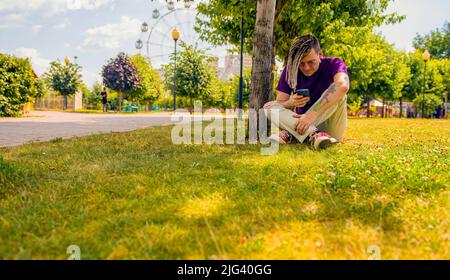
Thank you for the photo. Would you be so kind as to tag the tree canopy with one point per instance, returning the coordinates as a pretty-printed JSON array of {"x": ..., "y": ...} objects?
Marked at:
[
  {"x": 219, "y": 20},
  {"x": 191, "y": 76},
  {"x": 120, "y": 74},
  {"x": 64, "y": 78},
  {"x": 437, "y": 42},
  {"x": 150, "y": 86},
  {"x": 17, "y": 84}
]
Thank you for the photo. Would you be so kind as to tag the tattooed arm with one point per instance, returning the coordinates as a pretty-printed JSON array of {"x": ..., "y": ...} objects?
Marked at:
[{"x": 331, "y": 96}]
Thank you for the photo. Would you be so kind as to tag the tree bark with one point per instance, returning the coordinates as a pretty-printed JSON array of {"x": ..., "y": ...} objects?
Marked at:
[
  {"x": 445, "y": 106},
  {"x": 368, "y": 104},
  {"x": 65, "y": 102},
  {"x": 401, "y": 108},
  {"x": 261, "y": 83}
]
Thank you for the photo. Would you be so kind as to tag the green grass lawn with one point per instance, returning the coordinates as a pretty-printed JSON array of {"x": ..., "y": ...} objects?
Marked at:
[{"x": 134, "y": 195}]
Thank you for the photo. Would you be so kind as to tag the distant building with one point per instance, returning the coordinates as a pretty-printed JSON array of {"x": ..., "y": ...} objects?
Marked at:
[{"x": 232, "y": 65}]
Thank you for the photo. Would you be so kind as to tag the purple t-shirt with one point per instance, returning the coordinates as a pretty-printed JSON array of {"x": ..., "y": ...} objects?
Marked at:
[{"x": 317, "y": 83}]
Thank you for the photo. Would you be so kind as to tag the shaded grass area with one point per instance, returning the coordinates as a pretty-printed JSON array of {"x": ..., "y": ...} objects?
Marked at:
[{"x": 135, "y": 195}]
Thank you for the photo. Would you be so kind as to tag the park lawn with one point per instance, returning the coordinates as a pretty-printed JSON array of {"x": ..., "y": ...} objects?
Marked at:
[{"x": 134, "y": 195}]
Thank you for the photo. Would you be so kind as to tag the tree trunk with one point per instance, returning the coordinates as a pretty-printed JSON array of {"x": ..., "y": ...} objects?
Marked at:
[
  {"x": 120, "y": 99},
  {"x": 368, "y": 104},
  {"x": 382, "y": 110},
  {"x": 445, "y": 106},
  {"x": 262, "y": 83},
  {"x": 65, "y": 102},
  {"x": 401, "y": 108}
]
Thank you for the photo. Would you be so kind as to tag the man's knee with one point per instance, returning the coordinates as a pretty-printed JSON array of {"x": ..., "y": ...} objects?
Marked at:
[
  {"x": 272, "y": 104},
  {"x": 270, "y": 108}
]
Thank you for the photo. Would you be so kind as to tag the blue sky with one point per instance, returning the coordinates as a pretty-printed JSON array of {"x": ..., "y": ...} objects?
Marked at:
[{"x": 96, "y": 30}]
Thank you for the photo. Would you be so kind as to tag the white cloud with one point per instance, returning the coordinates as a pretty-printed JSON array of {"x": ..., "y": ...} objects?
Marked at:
[
  {"x": 12, "y": 20},
  {"x": 40, "y": 64},
  {"x": 36, "y": 28},
  {"x": 417, "y": 20},
  {"x": 89, "y": 78},
  {"x": 112, "y": 35},
  {"x": 50, "y": 6},
  {"x": 65, "y": 23}
]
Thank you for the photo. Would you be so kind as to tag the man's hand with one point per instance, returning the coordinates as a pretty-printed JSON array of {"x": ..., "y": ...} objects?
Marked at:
[
  {"x": 298, "y": 100},
  {"x": 304, "y": 122}
]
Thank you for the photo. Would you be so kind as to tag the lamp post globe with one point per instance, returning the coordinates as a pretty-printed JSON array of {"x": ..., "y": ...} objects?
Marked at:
[
  {"x": 426, "y": 55},
  {"x": 175, "y": 34}
]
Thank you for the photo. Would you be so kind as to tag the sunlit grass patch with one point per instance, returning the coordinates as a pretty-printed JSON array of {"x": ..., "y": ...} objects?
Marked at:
[{"x": 136, "y": 195}]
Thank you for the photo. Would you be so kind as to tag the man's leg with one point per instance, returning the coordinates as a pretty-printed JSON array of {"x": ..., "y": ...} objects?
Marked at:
[
  {"x": 336, "y": 124},
  {"x": 288, "y": 121}
]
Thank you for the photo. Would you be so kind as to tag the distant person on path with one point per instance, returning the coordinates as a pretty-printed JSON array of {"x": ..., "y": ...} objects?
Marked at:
[
  {"x": 104, "y": 100},
  {"x": 311, "y": 96}
]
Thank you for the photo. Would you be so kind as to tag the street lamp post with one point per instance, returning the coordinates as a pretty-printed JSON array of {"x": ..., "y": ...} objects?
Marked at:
[
  {"x": 175, "y": 36},
  {"x": 241, "y": 78},
  {"x": 426, "y": 57}
]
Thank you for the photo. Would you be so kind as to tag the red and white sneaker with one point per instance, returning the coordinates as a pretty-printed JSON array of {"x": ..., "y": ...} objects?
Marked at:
[
  {"x": 321, "y": 140},
  {"x": 283, "y": 137}
]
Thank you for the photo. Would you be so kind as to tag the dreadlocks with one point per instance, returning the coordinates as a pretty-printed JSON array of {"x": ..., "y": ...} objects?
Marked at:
[{"x": 301, "y": 48}]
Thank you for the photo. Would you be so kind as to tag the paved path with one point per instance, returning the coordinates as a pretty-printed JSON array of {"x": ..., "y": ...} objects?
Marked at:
[{"x": 45, "y": 125}]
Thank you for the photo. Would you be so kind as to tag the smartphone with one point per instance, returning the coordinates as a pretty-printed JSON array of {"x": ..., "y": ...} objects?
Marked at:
[
  {"x": 302, "y": 92},
  {"x": 305, "y": 93}
]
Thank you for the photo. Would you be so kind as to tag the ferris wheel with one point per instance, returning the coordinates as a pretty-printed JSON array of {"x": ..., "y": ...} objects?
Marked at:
[{"x": 156, "y": 33}]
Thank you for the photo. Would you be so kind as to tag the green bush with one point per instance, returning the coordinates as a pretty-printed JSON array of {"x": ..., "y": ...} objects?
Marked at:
[{"x": 17, "y": 85}]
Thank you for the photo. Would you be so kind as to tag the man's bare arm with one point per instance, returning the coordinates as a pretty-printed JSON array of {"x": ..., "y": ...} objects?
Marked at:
[
  {"x": 291, "y": 101},
  {"x": 332, "y": 95},
  {"x": 284, "y": 99}
]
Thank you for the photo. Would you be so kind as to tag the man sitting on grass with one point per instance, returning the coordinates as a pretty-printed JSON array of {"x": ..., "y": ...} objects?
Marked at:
[{"x": 320, "y": 119}]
